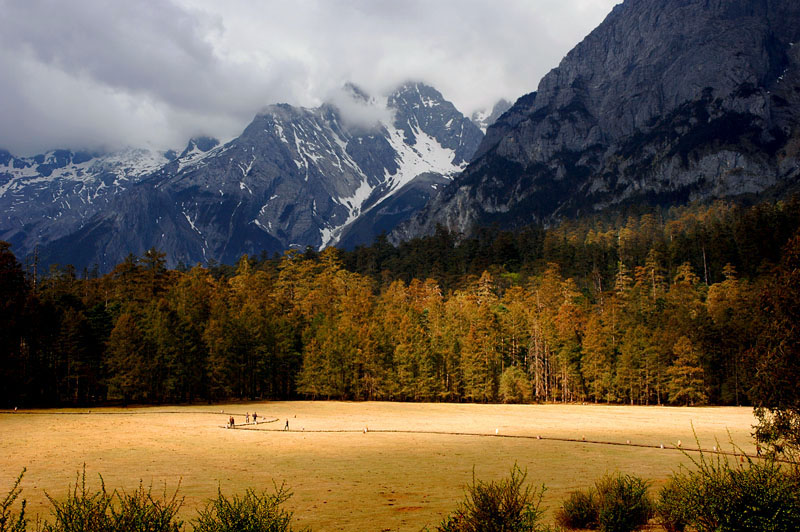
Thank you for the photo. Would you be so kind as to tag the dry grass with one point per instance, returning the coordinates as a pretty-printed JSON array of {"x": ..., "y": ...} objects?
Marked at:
[{"x": 351, "y": 480}]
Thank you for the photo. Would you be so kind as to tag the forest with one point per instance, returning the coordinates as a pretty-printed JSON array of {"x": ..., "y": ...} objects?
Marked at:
[{"x": 683, "y": 306}]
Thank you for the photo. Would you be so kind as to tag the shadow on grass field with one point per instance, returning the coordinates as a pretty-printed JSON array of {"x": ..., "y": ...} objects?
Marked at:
[{"x": 353, "y": 480}]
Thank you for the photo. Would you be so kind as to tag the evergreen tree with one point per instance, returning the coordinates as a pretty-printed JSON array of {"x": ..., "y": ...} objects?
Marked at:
[{"x": 686, "y": 375}]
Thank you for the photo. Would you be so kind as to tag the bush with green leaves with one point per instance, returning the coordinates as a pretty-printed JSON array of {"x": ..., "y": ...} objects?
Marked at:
[
  {"x": 139, "y": 511},
  {"x": 623, "y": 504},
  {"x": 11, "y": 521},
  {"x": 252, "y": 512},
  {"x": 721, "y": 496},
  {"x": 616, "y": 503},
  {"x": 670, "y": 506},
  {"x": 505, "y": 505},
  {"x": 84, "y": 510},
  {"x": 579, "y": 510}
]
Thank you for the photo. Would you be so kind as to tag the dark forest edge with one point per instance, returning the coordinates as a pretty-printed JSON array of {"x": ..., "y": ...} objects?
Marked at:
[{"x": 691, "y": 305}]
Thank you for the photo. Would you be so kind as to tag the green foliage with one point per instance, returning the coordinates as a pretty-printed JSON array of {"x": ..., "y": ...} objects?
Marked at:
[
  {"x": 616, "y": 503},
  {"x": 623, "y": 504},
  {"x": 507, "y": 505},
  {"x": 686, "y": 375},
  {"x": 81, "y": 510},
  {"x": 757, "y": 496},
  {"x": 670, "y": 506},
  {"x": 253, "y": 512},
  {"x": 515, "y": 387},
  {"x": 84, "y": 510},
  {"x": 579, "y": 511},
  {"x": 141, "y": 512},
  {"x": 9, "y": 520}
]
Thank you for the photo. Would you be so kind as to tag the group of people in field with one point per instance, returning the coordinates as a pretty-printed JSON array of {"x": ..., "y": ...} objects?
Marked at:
[{"x": 232, "y": 422}]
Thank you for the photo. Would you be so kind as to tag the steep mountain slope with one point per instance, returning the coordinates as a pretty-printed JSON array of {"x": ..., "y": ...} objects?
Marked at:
[
  {"x": 48, "y": 195},
  {"x": 666, "y": 101},
  {"x": 294, "y": 178}
]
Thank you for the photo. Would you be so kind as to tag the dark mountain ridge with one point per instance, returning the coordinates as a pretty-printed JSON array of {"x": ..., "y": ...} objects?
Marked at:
[{"x": 665, "y": 102}]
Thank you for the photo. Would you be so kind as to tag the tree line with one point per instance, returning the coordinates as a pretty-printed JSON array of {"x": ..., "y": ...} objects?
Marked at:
[{"x": 694, "y": 305}]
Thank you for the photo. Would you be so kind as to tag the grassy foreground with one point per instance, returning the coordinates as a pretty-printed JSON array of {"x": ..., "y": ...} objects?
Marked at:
[{"x": 351, "y": 480}]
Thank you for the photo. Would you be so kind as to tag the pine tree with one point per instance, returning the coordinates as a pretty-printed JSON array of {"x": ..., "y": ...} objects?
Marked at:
[
  {"x": 686, "y": 375},
  {"x": 127, "y": 362}
]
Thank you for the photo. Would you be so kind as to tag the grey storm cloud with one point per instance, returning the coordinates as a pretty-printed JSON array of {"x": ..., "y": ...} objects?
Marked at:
[{"x": 99, "y": 74}]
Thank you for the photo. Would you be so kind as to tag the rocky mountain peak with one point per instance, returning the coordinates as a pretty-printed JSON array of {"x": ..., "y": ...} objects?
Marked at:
[
  {"x": 198, "y": 145},
  {"x": 666, "y": 101},
  {"x": 485, "y": 118},
  {"x": 295, "y": 177},
  {"x": 421, "y": 108}
]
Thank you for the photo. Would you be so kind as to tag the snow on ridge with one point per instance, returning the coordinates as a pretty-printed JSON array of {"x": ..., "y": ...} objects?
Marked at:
[
  {"x": 125, "y": 165},
  {"x": 196, "y": 156},
  {"x": 354, "y": 204},
  {"x": 135, "y": 162},
  {"x": 426, "y": 156},
  {"x": 328, "y": 237},
  {"x": 279, "y": 130}
]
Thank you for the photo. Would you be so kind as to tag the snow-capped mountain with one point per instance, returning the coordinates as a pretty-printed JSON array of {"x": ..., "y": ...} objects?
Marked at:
[
  {"x": 295, "y": 177},
  {"x": 485, "y": 118},
  {"x": 48, "y": 195}
]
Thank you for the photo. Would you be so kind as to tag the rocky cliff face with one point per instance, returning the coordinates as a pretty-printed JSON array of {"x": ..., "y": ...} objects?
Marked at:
[
  {"x": 666, "y": 101},
  {"x": 294, "y": 178}
]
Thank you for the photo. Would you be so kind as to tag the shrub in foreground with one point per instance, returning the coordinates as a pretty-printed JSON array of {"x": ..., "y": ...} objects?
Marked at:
[
  {"x": 623, "y": 503},
  {"x": 503, "y": 506},
  {"x": 579, "y": 510},
  {"x": 253, "y": 512},
  {"x": 11, "y": 521},
  {"x": 670, "y": 506},
  {"x": 616, "y": 503},
  {"x": 84, "y": 510},
  {"x": 141, "y": 512},
  {"x": 757, "y": 496}
]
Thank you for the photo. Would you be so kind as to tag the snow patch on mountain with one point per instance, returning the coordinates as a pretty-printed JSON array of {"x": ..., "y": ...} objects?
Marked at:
[
  {"x": 427, "y": 155},
  {"x": 76, "y": 167}
]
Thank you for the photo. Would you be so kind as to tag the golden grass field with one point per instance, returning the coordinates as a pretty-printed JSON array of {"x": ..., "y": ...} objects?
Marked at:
[{"x": 352, "y": 480}]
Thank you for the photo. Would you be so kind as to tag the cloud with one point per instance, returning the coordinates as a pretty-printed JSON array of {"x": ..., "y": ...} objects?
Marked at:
[
  {"x": 91, "y": 73},
  {"x": 357, "y": 109}
]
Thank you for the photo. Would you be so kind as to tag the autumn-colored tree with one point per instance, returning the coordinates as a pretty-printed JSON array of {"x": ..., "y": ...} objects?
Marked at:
[
  {"x": 732, "y": 308},
  {"x": 597, "y": 364},
  {"x": 635, "y": 375},
  {"x": 686, "y": 384},
  {"x": 480, "y": 359},
  {"x": 514, "y": 386}
]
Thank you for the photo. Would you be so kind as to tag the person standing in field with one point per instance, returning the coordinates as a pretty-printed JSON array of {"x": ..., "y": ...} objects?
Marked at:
[
  {"x": 247, "y": 417},
  {"x": 287, "y": 425},
  {"x": 255, "y": 417}
]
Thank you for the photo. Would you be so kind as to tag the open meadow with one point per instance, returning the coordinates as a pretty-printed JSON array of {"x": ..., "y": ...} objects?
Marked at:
[{"x": 344, "y": 478}]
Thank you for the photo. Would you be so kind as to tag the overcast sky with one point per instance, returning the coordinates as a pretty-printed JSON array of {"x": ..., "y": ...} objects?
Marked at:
[{"x": 104, "y": 73}]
